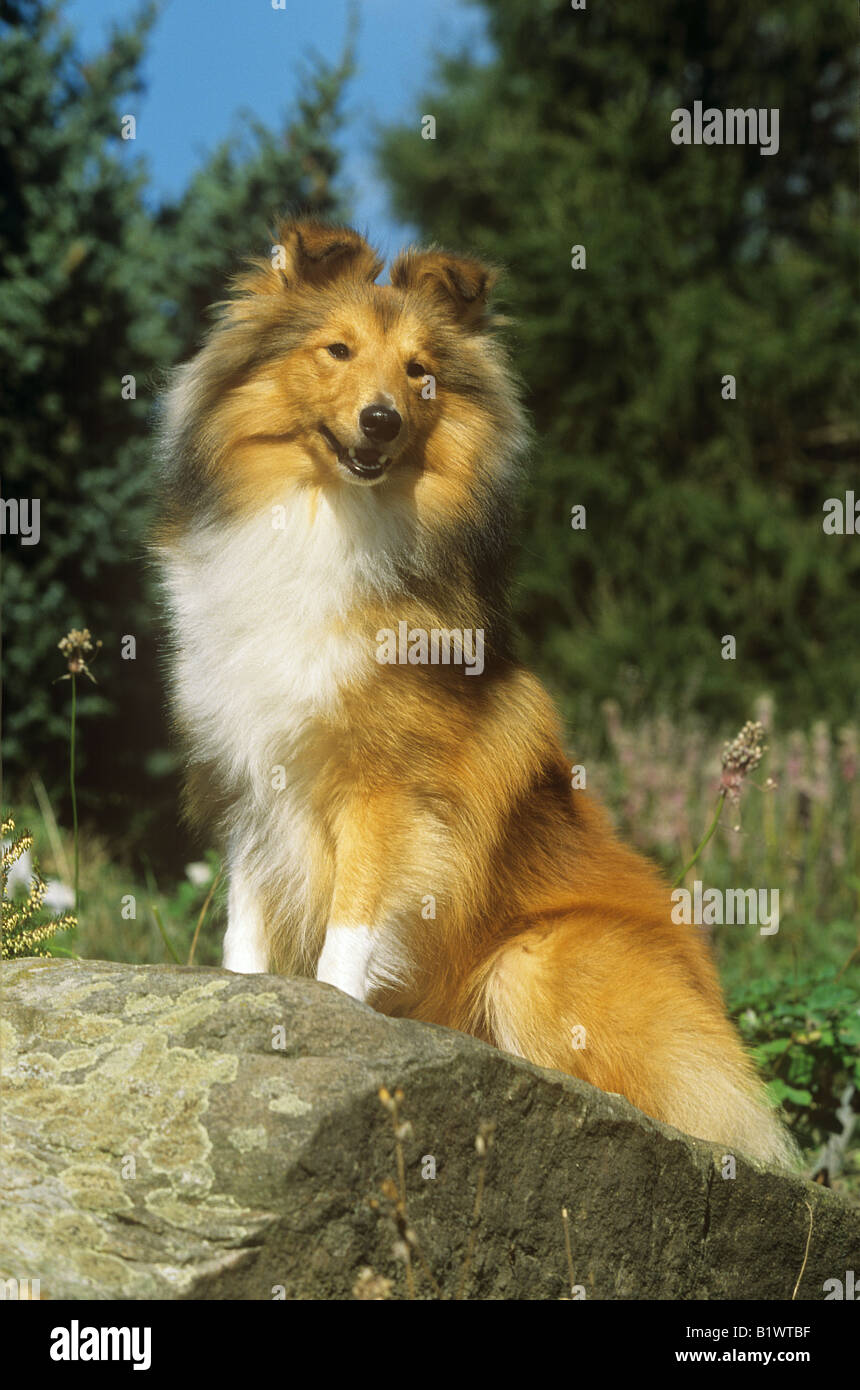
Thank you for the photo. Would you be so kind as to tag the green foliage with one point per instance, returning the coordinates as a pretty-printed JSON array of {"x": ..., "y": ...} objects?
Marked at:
[
  {"x": 95, "y": 286},
  {"x": 23, "y": 930},
  {"x": 131, "y": 910},
  {"x": 76, "y": 312},
  {"x": 806, "y": 1040},
  {"x": 704, "y": 515},
  {"x": 177, "y": 911}
]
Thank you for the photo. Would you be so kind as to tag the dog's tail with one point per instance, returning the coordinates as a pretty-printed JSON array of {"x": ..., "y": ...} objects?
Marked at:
[{"x": 633, "y": 1015}]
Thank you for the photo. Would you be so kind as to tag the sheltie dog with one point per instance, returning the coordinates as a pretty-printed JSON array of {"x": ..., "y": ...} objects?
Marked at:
[{"x": 341, "y": 461}]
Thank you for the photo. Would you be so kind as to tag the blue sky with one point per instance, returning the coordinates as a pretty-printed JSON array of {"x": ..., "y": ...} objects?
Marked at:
[{"x": 210, "y": 59}]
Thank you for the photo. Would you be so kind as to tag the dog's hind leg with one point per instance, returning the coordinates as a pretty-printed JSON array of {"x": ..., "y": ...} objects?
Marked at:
[
  {"x": 245, "y": 946},
  {"x": 345, "y": 958}
]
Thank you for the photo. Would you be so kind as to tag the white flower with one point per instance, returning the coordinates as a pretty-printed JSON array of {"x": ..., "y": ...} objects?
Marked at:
[{"x": 59, "y": 897}]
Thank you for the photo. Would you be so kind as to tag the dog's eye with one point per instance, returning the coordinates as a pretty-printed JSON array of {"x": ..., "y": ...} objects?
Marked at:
[
  {"x": 415, "y": 368},
  {"x": 339, "y": 350}
]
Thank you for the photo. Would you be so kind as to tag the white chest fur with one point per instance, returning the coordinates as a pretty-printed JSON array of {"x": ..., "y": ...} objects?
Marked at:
[{"x": 264, "y": 618}]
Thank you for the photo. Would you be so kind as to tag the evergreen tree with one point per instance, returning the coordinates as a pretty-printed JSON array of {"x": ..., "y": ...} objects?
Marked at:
[{"x": 704, "y": 514}]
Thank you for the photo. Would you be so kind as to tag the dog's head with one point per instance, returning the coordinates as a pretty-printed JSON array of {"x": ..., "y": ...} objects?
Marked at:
[{"x": 316, "y": 374}]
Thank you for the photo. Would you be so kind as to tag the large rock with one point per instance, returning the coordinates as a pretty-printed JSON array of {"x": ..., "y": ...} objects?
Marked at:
[{"x": 188, "y": 1133}]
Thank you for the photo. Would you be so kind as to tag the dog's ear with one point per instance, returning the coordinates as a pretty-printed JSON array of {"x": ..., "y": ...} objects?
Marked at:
[
  {"x": 458, "y": 283},
  {"x": 315, "y": 253}
]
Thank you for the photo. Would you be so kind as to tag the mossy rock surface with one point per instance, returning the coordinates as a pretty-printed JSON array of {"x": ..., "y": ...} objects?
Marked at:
[{"x": 190, "y": 1133}]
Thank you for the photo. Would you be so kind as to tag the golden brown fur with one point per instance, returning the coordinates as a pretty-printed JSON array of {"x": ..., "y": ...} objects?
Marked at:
[{"x": 405, "y": 784}]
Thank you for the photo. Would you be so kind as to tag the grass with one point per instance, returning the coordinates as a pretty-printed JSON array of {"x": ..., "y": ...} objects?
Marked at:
[{"x": 126, "y": 914}]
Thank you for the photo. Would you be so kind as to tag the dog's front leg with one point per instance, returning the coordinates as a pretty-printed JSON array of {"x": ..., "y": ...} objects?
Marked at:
[{"x": 364, "y": 944}]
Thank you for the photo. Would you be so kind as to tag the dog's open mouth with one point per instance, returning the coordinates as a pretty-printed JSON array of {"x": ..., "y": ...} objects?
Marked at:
[{"x": 364, "y": 463}]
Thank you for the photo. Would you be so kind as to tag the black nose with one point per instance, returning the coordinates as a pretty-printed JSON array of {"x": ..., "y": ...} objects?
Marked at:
[{"x": 379, "y": 423}]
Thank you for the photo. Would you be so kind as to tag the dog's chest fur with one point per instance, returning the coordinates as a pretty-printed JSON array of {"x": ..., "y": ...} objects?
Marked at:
[{"x": 264, "y": 621}]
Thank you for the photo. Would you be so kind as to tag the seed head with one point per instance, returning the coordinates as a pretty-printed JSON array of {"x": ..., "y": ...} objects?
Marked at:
[
  {"x": 741, "y": 755},
  {"x": 76, "y": 646}
]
